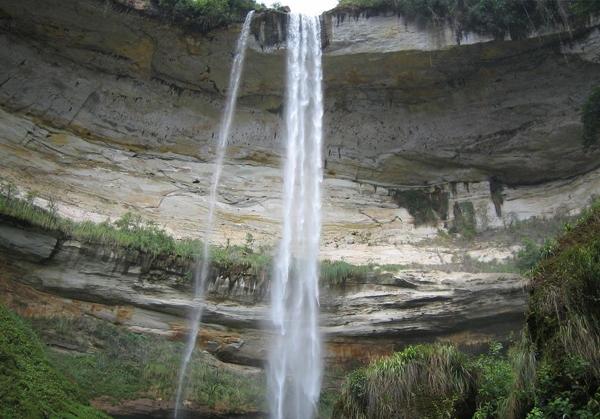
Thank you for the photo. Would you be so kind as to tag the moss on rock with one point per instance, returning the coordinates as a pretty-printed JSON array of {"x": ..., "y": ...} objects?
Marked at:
[
  {"x": 114, "y": 364},
  {"x": 426, "y": 207}
]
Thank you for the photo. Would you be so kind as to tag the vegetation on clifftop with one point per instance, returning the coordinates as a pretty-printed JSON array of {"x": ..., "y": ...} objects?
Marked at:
[
  {"x": 497, "y": 18},
  {"x": 30, "y": 387},
  {"x": 552, "y": 370},
  {"x": 208, "y": 14}
]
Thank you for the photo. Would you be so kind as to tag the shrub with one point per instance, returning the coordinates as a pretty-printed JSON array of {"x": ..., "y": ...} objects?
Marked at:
[
  {"x": 495, "y": 377},
  {"x": 421, "y": 381},
  {"x": 521, "y": 395},
  {"x": 340, "y": 272},
  {"x": 465, "y": 222},
  {"x": 528, "y": 256},
  {"x": 563, "y": 320}
]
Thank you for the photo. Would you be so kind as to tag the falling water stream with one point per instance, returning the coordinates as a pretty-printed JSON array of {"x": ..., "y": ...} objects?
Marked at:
[
  {"x": 203, "y": 265},
  {"x": 295, "y": 357}
]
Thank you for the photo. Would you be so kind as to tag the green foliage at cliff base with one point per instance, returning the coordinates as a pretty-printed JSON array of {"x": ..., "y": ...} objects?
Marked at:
[
  {"x": 563, "y": 321},
  {"x": 421, "y": 381},
  {"x": 119, "y": 365},
  {"x": 30, "y": 387},
  {"x": 552, "y": 371}
]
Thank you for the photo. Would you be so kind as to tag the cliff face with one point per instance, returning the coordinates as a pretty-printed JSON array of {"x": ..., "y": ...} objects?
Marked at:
[
  {"x": 132, "y": 102},
  {"x": 107, "y": 106},
  {"x": 394, "y": 308}
]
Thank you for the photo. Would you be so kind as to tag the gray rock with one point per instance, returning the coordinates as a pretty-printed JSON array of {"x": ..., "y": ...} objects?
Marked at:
[{"x": 434, "y": 304}]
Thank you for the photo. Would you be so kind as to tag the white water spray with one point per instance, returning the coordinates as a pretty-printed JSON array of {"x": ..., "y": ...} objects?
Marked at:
[
  {"x": 203, "y": 265},
  {"x": 295, "y": 358}
]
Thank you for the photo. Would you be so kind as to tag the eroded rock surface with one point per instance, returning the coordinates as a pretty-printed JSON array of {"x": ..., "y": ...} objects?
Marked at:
[
  {"x": 107, "y": 110},
  {"x": 395, "y": 306}
]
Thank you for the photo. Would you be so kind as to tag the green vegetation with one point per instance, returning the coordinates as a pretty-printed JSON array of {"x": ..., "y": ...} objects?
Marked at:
[
  {"x": 590, "y": 116},
  {"x": 206, "y": 15},
  {"x": 421, "y": 381},
  {"x": 473, "y": 265},
  {"x": 531, "y": 253},
  {"x": 494, "y": 378},
  {"x": 536, "y": 229},
  {"x": 134, "y": 236},
  {"x": 552, "y": 371},
  {"x": 497, "y": 18},
  {"x": 425, "y": 207},
  {"x": 464, "y": 220},
  {"x": 535, "y": 235},
  {"x": 563, "y": 321},
  {"x": 30, "y": 387},
  {"x": 130, "y": 232},
  {"x": 326, "y": 403},
  {"x": 438, "y": 381},
  {"x": 121, "y": 365},
  {"x": 340, "y": 272}
]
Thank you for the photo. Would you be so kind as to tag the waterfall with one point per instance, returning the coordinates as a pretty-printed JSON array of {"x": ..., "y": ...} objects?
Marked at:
[
  {"x": 295, "y": 356},
  {"x": 202, "y": 267}
]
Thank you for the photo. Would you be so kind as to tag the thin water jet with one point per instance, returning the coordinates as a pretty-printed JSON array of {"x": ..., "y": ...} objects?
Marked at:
[
  {"x": 202, "y": 266},
  {"x": 295, "y": 356}
]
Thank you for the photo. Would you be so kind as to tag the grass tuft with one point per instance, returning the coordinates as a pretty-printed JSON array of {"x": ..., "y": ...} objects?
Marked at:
[
  {"x": 340, "y": 272},
  {"x": 420, "y": 381}
]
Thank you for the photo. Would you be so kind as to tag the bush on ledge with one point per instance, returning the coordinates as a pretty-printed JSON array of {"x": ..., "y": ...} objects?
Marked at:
[{"x": 421, "y": 381}]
